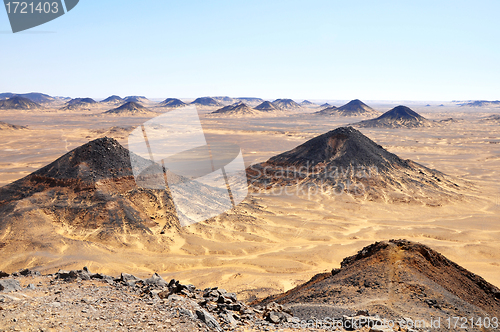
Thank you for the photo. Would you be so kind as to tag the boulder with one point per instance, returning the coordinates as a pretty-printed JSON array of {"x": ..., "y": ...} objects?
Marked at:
[{"x": 9, "y": 285}]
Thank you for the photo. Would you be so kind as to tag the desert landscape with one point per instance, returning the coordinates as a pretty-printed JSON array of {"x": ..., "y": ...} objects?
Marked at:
[{"x": 433, "y": 182}]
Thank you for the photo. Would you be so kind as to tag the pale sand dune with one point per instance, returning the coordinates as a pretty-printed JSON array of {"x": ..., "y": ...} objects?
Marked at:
[{"x": 272, "y": 243}]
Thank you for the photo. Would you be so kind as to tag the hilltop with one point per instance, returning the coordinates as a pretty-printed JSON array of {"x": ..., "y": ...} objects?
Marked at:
[{"x": 398, "y": 117}]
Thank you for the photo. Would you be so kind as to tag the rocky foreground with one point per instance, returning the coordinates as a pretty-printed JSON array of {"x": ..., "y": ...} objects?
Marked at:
[{"x": 84, "y": 301}]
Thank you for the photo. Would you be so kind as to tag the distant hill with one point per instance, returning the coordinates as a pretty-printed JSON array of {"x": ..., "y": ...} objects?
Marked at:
[
  {"x": 8, "y": 126},
  {"x": 307, "y": 103},
  {"x": 250, "y": 100},
  {"x": 207, "y": 102},
  {"x": 266, "y": 106},
  {"x": 225, "y": 100},
  {"x": 33, "y": 96},
  {"x": 481, "y": 103},
  {"x": 130, "y": 108},
  {"x": 394, "y": 279},
  {"x": 19, "y": 103},
  {"x": 326, "y": 105},
  {"x": 172, "y": 103},
  {"x": 398, "y": 117},
  {"x": 353, "y": 108},
  {"x": 495, "y": 118},
  {"x": 237, "y": 110},
  {"x": 330, "y": 110},
  {"x": 286, "y": 105},
  {"x": 114, "y": 99},
  {"x": 79, "y": 104},
  {"x": 136, "y": 99}
]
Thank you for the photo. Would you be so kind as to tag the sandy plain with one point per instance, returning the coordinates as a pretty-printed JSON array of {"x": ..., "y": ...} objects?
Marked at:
[{"x": 270, "y": 243}]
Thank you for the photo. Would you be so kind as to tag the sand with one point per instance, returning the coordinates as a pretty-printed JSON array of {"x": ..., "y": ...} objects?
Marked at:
[{"x": 270, "y": 243}]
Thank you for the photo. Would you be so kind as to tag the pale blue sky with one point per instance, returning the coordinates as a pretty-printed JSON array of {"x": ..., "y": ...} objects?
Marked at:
[{"x": 372, "y": 50}]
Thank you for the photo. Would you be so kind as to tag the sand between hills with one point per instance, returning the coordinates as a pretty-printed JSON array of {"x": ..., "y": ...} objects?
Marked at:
[{"x": 296, "y": 238}]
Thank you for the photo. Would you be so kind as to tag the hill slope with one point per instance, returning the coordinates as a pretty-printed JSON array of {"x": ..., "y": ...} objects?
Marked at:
[
  {"x": 237, "y": 110},
  {"x": 172, "y": 103},
  {"x": 8, "y": 126},
  {"x": 206, "y": 102},
  {"x": 130, "y": 108},
  {"x": 353, "y": 108},
  {"x": 266, "y": 106},
  {"x": 114, "y": 99},
  {"x": 18, "y": 103},
  {"x": 398, "y": 117},
  {"x": 286, "y": 105},
  {"x": 36, "y": 97},
  {"x": 79, "y": 104}
]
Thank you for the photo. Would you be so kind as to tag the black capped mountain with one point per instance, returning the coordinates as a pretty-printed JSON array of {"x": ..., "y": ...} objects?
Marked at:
[
  {"x": 353, "y": 108},
  {"x": 206, "y": 102},
  {"x": 266, "y": 106},
  {"x": 286, "y": 105},
  {"x": 80, "y": 104},
  {"x": 19, "y": 103},
  {"x": 136, "y": 99},
  {"x": 172, "y": 103},
  {"x": 345, "y": 160},
  {"x": 398, "y": 117},
  {"x": 114, "y": 99},
  {"x": 36, "y": 97},
  {"x": 130, "y": 108},
  {"x": 237, "y": 110}
]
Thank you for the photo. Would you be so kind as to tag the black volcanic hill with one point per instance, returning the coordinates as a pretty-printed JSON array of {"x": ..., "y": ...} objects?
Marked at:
[
  {"x": 113, "y": 99},
  {"x": 88, "y": 195},
  {"x": 88, "y": 200},
  {"x": 250, "y": 100},
  {"x": 80, "y": 101},
  {"x": 326, "y": 105},
  {"x": 398, "y": 117},
  {"x": 237, "y": 110},
  {"x": 18, "y": 103},
  {"x": 172, "y": 103},
  {"x": 225, "y": 100},
  {"x": 307, "y": 103},
  {"x": 207, "y": 102},
  {"x": 136, "y": 99},
  {"x": 481, "y": 103},
  {"x": 8, "y": 126},
  {"x": 130, "y": 108},
  {"x": 353, "y": 108},
  {"x": 33, "y": 96},
  {"x": 346, "y": 159},
  {"x": 79, "y": 104},
  {"x": 266, "y": 106},
  {"x": 330, "y": 110},
  {"x": 286, "y": 105},
  {"x": 395, "y": 279}
]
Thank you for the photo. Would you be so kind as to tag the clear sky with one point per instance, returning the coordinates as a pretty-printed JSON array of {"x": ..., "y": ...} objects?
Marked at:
[{"x": 372, "y": 50}]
